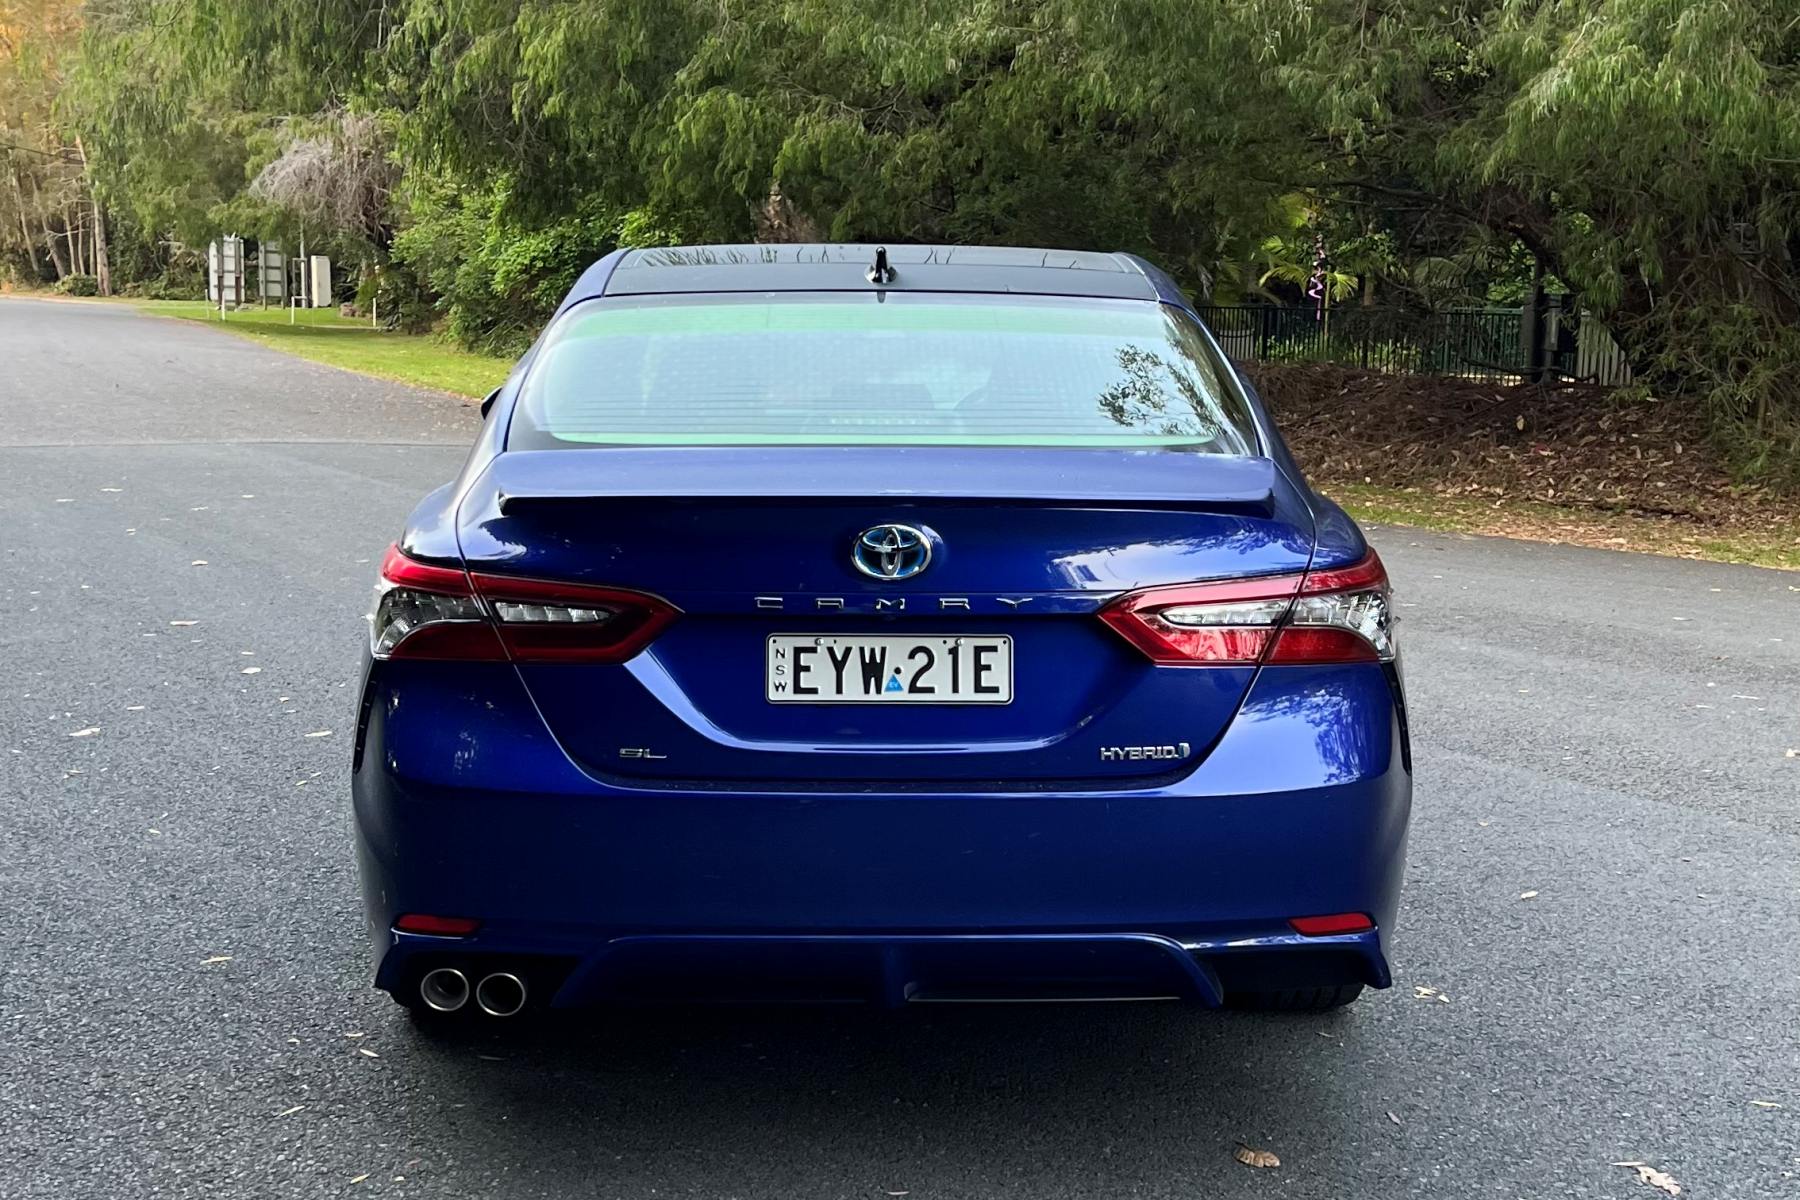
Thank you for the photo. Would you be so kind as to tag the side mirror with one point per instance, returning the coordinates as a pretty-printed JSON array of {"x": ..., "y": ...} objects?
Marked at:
[{"x": 489, "y": 402}]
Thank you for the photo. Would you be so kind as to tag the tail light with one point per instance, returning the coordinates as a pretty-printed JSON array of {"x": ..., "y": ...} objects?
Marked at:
[
  {"x": 424, "y": 611},
  {"x": 1339, "y": 615}
]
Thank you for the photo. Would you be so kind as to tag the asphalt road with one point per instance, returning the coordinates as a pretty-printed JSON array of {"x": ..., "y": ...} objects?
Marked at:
[{"x": 190, "y": 525}]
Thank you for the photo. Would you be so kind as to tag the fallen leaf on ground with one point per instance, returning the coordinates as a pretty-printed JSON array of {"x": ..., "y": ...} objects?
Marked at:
[
  {"x": 1420, "y": 992},
  {"x": 366, "y": 1052},
  {"x": 360, "y": 1178},
  {"x": 1655, "y": 1178},
  {"x": 1256, "y": 1158},
  {"x": 320, "y": 733},
  {"x": 1764, "y": 1104},
  {"x": 1528, "y": 895},
  {"x": 1392, "y": 1117},
  {"x": 90, "y": 731},
  {"x": 217, "y": 958},
  {"x": 183, "y": 624}
]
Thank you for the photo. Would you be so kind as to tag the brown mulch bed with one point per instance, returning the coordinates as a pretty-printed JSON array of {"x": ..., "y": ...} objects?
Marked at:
[{"x": 1572, "y": 445}]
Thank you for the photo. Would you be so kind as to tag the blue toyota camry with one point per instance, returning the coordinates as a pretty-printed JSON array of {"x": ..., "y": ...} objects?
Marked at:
[{"x": 842, "y": 623}]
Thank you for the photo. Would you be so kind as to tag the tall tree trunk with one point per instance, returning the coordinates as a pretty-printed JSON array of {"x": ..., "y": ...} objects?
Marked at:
[
  {"x": 56, "y": 258},
  {"x": 72, "y": 230},
  {"x": 102, "y": 264},
  {"x": 25, "y": 227}
]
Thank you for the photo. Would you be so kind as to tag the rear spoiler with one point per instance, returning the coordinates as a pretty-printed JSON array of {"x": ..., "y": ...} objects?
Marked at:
[{"x": 1152, "y": 478}]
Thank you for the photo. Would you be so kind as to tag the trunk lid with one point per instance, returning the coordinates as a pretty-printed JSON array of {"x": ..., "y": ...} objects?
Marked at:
[{"x": 750, "y": 543}]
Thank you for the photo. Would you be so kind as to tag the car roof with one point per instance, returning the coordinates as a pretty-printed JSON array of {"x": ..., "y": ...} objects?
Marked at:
[{"x": 846, "y": 267}]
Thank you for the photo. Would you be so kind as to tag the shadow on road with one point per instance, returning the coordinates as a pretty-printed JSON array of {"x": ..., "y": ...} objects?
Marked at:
[{"x": 947, "y": 1100}]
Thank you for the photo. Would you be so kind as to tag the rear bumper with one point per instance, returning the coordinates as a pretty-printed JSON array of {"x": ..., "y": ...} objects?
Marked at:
[{"x": 465, "y": 807}]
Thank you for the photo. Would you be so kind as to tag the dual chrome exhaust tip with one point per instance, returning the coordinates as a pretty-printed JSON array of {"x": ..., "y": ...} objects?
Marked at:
[{"x": 447, "y": 990}]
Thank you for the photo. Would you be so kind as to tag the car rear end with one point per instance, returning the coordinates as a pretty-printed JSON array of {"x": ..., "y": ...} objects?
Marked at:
[{"x": 877, "y": 643}]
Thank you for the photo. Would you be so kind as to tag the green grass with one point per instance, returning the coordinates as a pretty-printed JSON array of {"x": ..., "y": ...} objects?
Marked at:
[
  {"x": 321, "y": 335},
  {"x": 1770, "y": 543}
]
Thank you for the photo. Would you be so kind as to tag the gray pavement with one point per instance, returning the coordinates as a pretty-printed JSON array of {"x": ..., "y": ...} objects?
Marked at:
[{"x": 184, "y": 1000}]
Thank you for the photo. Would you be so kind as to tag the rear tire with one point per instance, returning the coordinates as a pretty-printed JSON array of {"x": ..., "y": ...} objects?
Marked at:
[{"x": 1299, "y": 1000}]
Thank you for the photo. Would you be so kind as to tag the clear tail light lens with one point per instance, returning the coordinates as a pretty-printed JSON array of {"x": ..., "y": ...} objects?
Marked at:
[
  {"x": 543, "y": 621},
  {"x": 1338, "y": 615},
  {"x": 426, "y": 611},
  {"x": 422, "y": 611}
]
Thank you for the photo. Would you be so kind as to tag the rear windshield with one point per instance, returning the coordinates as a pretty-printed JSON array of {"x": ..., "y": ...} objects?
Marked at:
[{"x": 867, "y": 368}]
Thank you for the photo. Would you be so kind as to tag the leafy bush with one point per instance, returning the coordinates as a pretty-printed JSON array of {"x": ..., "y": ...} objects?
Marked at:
[
  {"x": 173, "y": 284},
  {"x": 499, "y": 275},
  {"x": 78, "y": 285}
]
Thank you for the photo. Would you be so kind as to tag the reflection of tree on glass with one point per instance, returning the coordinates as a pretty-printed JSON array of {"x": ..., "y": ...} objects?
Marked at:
[{"x": 1155, "y": 398}]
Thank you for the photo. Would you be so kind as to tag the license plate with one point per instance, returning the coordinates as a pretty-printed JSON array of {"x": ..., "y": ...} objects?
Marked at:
[{"x": 831, "y": 669}]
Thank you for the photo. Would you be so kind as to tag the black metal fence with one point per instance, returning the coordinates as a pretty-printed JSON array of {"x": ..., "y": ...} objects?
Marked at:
[{"x": 1473, "y": 343}]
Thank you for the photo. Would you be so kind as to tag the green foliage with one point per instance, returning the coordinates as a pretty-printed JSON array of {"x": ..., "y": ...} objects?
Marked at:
[
  {"x": 1645, "y": 151},
  {"x": 78, "y": 285}
]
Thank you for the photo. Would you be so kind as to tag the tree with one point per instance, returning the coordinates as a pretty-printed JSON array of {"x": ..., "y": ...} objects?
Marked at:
[{"x": 1645, "y": 151}]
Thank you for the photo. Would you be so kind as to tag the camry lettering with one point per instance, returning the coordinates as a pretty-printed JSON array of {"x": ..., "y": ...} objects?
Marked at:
[{"x": 846, "y": 604}]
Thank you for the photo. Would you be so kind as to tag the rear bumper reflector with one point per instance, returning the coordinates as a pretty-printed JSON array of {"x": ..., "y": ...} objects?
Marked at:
[{"x": 1334, "y": 923}]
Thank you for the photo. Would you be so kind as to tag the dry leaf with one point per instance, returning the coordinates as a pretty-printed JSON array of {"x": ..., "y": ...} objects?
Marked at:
[
  {"x": 1256, "y": 1158},
  {"x": 1765, "y": 1104},
  {"x": 1528, "y": 895},
  {"x": 1655, "y": 1178},
  {"x": 1421, "y": 992},
  {"x": 90, "y": 731},
  {"x": 217, "y": 958},
  {"x": 366, "y": 1052},
  {"x": 361, "y": 1177},
  {"x": 1392, "y": 1117}
]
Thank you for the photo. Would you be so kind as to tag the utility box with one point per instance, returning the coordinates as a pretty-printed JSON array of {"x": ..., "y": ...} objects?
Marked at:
[
  {"x": 318, "y": 283},
  {"x": 225, "y": 271},
  {"x": 271, "y": 271}
]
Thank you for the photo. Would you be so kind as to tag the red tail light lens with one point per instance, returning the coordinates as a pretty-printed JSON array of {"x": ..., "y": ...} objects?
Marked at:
[
  {"x": 425, "y": 611},
  {"x": 1338, "y": 615}
]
